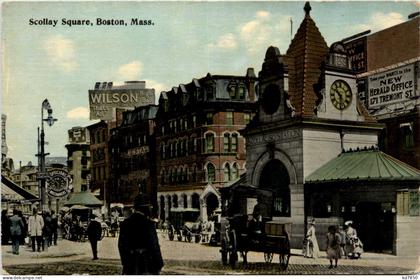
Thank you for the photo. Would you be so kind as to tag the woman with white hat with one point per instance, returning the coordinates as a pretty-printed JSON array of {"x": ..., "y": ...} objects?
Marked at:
[
  {"x": 312, "y": 249},
  {"x": 351, "y": 233}
]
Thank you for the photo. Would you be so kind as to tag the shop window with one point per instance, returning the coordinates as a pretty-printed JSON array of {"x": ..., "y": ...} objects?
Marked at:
[
  {"x": 226, "y": 142},
  {"x": 211, "y": 173},
  {"x": 210, "y": 143},
  {"x": 229, "y": 118}
]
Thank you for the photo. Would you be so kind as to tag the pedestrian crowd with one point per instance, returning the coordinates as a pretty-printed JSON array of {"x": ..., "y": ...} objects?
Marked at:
[
  {"x": 40, "y": 230},
  {"x": 340, "y": 243}
]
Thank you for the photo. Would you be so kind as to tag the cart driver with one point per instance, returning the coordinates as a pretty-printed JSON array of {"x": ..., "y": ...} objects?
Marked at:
[{"x": 259, "y": 215}]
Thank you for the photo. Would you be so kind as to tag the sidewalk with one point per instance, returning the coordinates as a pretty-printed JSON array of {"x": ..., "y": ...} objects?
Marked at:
[{"x": 65, "y": 249}]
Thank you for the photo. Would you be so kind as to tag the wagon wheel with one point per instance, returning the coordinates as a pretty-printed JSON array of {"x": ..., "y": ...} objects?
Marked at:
[
  {"x": 188, "y": 236},
  {"x": 284, "y": 260},
  {"x": 197, "y": 238},
  {"x": 268, "y": 257},
  {"x": 233, "y": 256},
  {"x": 171, "y": 234},
  {"x": 224, "y": 252},
  {"x": 244, "y": 257}
]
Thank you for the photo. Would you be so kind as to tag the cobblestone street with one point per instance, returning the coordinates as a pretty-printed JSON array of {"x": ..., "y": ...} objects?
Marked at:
[{"x": 188, "y": 258}]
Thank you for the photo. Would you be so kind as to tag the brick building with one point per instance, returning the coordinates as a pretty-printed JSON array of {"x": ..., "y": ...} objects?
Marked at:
[
  {"x": 132, "y": 157},
  {"x": 387, "y": 63},
  {"x": 198, "y": 141}
]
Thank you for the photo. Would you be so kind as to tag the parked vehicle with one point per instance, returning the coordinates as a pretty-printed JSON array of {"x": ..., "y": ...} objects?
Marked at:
[
  {"x": 241, "y": 232},
  {"x": 185, "y": 224}
]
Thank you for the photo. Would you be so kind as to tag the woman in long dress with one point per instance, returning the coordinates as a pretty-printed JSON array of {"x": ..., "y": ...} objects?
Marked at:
[
  {"x": 333, "y": 245},
  {"x": 312, "y": 249}
]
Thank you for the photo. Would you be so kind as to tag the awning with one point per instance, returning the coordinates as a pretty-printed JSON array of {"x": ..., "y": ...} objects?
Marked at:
[
  {"x": 83, "y": 198},
  {"x": 364, "y": 165},
  {"x": 11, "y": 189}
]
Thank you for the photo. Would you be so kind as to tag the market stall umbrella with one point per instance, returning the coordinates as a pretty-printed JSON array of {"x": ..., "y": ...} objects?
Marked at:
[{"x": 83, "y": 198}]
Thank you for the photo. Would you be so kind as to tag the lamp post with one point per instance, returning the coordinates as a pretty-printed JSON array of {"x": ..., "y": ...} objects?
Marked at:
[{"x": 42, "y": 173}]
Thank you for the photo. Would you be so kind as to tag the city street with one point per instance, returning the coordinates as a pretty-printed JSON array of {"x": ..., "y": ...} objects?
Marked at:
[{"x": 187, "y": 258}]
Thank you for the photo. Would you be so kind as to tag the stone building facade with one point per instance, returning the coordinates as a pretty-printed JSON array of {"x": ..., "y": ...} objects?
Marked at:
[
  {"x": 308, "y": 113},
  {"x": 199, "y": 144}
]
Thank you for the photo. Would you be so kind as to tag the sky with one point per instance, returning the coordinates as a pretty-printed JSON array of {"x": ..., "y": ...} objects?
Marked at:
[{"x": 187, "y": 40}]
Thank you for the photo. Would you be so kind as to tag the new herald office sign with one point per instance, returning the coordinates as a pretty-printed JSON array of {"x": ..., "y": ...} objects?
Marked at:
[
  {"x": 393, "y": 86},
  {"x": 102, "y": 102}
]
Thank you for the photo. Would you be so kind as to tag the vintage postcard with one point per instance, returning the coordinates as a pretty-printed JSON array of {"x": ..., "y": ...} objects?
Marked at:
[{"x": 210, "y": 138}]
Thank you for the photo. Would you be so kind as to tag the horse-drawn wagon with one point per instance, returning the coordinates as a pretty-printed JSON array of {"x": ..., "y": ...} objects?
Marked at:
[{"x": 247, "y": 225}]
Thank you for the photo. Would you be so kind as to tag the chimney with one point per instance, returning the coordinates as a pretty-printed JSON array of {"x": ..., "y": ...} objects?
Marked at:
[{"x": 250, "y": 78}]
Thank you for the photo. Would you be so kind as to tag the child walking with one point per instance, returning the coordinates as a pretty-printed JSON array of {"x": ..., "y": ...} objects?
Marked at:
[{"x": 333, "y": 245}]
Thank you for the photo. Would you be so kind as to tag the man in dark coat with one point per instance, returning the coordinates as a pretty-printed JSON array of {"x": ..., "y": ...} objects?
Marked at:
[
  {"x": 138, "y": 243},
  {"x": 94, "y": 233}
]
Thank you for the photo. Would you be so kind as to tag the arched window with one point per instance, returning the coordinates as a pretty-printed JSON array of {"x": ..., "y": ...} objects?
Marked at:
[
  {"x": 209, "y": 143},
  {"x": 175, "y": 201},
  {"x": 235, "y": 171},
  {"x": 211, "y": 173},
  {"x": 185, "y": 200},
  {"x": 234, "y": 143},
  {"x": 195, "y": 201},
  {"x": 226, "y": 170},
  {"x": 194, "y": 174},
  {"x": 226, "y": 142}
]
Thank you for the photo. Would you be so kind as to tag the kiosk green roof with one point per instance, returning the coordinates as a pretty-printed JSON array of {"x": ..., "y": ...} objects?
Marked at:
[{"x": 362, "y": 165}]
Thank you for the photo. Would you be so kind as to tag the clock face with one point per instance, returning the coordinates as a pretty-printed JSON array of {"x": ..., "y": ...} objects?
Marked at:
[{"x": 340, "y": 94}]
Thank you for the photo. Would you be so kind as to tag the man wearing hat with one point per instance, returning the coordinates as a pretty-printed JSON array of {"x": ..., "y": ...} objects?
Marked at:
[
  {"x": 94, "y": 233},
  {"x": 138, "y": 243}
]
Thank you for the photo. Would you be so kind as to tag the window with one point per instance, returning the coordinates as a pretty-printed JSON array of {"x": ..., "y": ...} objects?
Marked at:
[
  {"x": 185, "y": 123},
  {"x": 185, "y": 199},
  {"x": 247, "y": 118},
  {"x": 195, "y": 145},
  {"x": 235, "y": 171},
  {"x": 194, "y": 174},
  {"x": 408, "y": 203},
  {"x": 241, "y": 93},
  {"x": 209, "y": 118},
  {"x": 195, "y": 201},
  {"x": 175, "y": 201},
  {"x": 194, "y": 120},
  {"x": 229, "y": 118},
  {"x": 210, "y": 92},
  {"x": 408, "y": 135},
  {"x": 234, "y": 143},
  {"x": 227, "y": 172},
  {"x": 211, "y": 173},
  {"x": 162, "y": 151},
  {"x": 210, "y": 143},
  {"x": 226, "y": 142}
]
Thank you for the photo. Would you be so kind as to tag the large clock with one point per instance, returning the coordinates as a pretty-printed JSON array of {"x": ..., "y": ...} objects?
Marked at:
[{"x": 340, "y": 94}]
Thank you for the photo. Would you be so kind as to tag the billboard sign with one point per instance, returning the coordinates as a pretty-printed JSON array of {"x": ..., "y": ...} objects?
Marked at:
[
  {"x": 103, "y": 102},
  {"x": 356, "y": 51},
  {"x": 77, "y": 135},
  {"x": 393, "y": 86}
]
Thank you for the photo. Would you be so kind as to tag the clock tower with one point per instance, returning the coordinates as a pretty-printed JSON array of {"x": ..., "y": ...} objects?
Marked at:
[{"x": 337, "y": 89}]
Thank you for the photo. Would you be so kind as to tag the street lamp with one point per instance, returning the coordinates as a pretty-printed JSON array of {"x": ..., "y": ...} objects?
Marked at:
[{"x": 42, "y": 174}]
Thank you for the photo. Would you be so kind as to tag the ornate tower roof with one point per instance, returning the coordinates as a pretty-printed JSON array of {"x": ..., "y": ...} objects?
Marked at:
[{"x": 304, "y": 59}]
